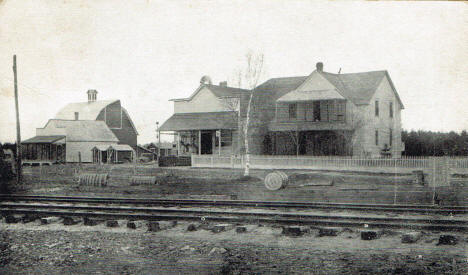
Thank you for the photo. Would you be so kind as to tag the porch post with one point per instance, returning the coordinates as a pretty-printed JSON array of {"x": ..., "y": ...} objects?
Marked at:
[
  {"x": 178, "y": 143},
  {"x": 199, "y": 142},
  {"x": 297, "y": 143},
  {"x": 116, "y": 156},
  {"x": 213, "y": 142},
  {"x": 219, "y": 142}
]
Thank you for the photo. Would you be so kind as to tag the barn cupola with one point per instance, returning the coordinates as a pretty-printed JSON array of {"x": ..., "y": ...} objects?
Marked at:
[
  {"x": 319, "y": 66},
  {"x": 92, "y": 95}
]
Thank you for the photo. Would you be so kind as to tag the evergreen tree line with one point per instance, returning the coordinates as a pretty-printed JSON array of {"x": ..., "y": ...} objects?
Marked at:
[{"x": 428, "y": 143}]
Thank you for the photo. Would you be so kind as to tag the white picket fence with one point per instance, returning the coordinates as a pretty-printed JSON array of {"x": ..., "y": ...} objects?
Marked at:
[{"x": 405, "y": 164}]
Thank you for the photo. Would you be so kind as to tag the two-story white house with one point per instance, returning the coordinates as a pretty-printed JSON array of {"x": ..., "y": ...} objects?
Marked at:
[
  {"x": 207, "y": 122},
  {"x": 320, "y": 114}
]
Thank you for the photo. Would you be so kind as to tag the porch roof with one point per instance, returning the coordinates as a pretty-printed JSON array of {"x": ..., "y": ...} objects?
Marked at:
[
  {"x": 200, "y": 121},
  {"x": 43, "y": 139},
  {"x": 121, "y": 147},
  {"x": 101, "y": 147},
  {"x": 296, "y": 96}
]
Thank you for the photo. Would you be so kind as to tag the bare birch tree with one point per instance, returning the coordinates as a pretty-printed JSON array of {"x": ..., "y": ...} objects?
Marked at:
[{"x": 251, "y": 75}]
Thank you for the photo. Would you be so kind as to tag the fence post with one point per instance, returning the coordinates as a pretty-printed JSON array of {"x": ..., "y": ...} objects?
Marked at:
[{"x": 433, "y": 179}]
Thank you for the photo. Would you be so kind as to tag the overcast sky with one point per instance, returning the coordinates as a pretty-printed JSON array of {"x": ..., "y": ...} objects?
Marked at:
[{"x": 147, "y": 52}]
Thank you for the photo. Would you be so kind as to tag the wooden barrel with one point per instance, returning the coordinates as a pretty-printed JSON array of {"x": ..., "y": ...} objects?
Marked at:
[
  {"x": 135, "y": 180},
  {"x": 276, "y": 180},
  {"x": 93, "y": 179}
]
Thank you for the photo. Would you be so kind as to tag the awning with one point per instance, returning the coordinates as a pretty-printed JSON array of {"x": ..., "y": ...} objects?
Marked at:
[
  {"x": 101, "y": 147},
  {"x": 296, "y": 96},
  {"x": 201, "y": 121},
  {"x": 43, "y": 139},
  {"x": 121, "y": 147}
]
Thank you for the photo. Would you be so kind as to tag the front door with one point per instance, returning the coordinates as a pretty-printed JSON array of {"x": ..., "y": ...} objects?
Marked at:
[{"x": 206, "y": 143}]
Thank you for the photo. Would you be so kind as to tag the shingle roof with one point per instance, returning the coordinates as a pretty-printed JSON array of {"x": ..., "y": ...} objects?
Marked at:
[
  {"x": 357, "y": 87},
  {"x": 84, "y": 130},
  {"x": 222, "y": 91},
  {"x": 219, "y": 91},
  {"x": 101, "y": 147},
  {"x": 43, "y": 139},
  {"x": 86, "y": 110},
  {"x": 200, "y": 121},
  {"x": 277, "y": 87},
  {"x": 121, "y": 147}
]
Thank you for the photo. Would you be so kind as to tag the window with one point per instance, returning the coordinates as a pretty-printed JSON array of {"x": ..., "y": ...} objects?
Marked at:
[
  {"x": 390, "y": 137},
  {"x": 317, "y": 111},
  {"x": 376, "y": 108},
  {"x": 293, "y": 111},
  {"x": 340, "y": 110},
  {"x": 391, "y": 109},
  {"x": 76, "y": 115},
  {"x": 376, "y": 137}
]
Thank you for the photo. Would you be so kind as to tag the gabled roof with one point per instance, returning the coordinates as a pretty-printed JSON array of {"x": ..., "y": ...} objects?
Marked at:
[
  {"x": 218, "y": 91},
  {"x": 297, "y": 96},
  {"x": 86, "y": 110},
  {"x": 101, "y": 147},
  {"x": 121, "y": 147},
  {"x": 43, "y": 139},
  {"x": 357, "y": 87},
  {"x": 200, "y": 121},
  {"x": 84, "y": 130},
  {"x": 277, "y": 87}
]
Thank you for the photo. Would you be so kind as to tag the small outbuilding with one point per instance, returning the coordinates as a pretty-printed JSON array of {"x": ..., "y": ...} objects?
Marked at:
[{"x": 116, "y": 153}]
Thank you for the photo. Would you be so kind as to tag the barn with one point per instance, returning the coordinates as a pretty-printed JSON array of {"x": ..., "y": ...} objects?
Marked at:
[{"x": 80, "y": 127}]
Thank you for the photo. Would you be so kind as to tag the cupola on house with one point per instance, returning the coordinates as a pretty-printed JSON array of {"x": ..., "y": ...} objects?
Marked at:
[{"x": 79, "y": 128}]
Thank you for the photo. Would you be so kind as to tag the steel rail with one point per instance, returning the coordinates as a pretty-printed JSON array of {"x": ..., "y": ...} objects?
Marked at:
[
  {"x": 204, "y": 212},
  {"x": 243, "y": 203},
  {"x": 245, "y": 217}
]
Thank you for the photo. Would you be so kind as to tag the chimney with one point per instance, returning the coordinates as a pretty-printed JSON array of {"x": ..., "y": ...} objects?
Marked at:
[
  {"x": 319, "y": 66},
  {"x": 92, "y": 95},
  {"x": 223, "y": 83}
]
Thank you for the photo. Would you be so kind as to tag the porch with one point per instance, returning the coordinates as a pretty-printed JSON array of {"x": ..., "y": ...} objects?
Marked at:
[
  {"x": 206, "y": 142},
  {"x": 309, "y": 143},
  {"x": 119, "y": 153},
  {"x": 50, "y": 149},
  {"x": 204, "y": 133}
]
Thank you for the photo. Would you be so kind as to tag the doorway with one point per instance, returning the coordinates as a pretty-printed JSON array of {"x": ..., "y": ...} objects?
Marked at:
[{"x": 206, "y": 143}]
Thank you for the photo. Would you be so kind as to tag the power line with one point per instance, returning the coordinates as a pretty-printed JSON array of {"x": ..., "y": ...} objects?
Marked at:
[{"x": 27, "y": 87}]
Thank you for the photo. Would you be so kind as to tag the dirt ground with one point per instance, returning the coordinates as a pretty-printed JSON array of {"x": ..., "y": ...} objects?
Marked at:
[
  {"x": 230, "y": 184},
  {"x": 58, "y": 249}
]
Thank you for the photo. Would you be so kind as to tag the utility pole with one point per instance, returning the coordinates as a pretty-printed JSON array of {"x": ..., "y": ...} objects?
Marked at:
[
  {"x": 158, "y": 135},
  {"x": 18, "y": 132}
]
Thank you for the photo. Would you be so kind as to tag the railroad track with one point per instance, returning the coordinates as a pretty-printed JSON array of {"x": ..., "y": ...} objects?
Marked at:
[
  {"x": 425, "y": 209},
  {"x": 230, "y": 216}
]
